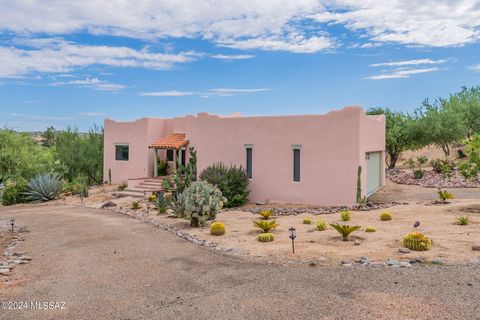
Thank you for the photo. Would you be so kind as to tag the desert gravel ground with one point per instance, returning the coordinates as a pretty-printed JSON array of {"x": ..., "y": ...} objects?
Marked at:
[{"x": 108, "y": 266}]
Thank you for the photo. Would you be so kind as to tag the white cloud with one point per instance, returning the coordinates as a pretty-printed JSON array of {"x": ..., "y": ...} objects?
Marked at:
[
  {"x": 167, "y": 94},
  {"x": 237, "y": 24},
  {"x": 475, "y": 68},
  {"x": 233, "y": 90},
  {"x": 409, "y": 63},
  {"x": 232, "y": 56},
  {"x": 15, "y": 114},
  {"x": 401, "y": 73},
  {"x": 58, "y": 56},
  {"x": 93, "y": 114},
  {"x": 212, "y": 92},
  {"x": 426, "y": 23},
  {"x": 94, "y": 83}
]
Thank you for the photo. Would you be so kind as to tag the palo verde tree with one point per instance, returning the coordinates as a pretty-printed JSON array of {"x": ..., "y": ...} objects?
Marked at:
[
  {"x": 402, "y": 133},
  {"x": 466, "y": 103},
  {"x": 441, "y": 124},
  {"x": 470, "y": 169}
]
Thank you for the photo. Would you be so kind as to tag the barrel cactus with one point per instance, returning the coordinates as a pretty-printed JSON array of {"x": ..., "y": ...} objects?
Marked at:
[
  {"x": 217, "y": 228},
  {"x": 266, "y": 237},
  {"x": 43, "y": 188},
  {"x": 307, "y": 221},
  {"x": 386, "y": 216},
  {"x": 200, "y": 202},
  {"x": 370, "y": 229},
  {"x": 417, "y": 241}
]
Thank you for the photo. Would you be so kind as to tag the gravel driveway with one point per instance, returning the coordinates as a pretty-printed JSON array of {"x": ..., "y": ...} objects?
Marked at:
[{"x": 107, "y": 266}]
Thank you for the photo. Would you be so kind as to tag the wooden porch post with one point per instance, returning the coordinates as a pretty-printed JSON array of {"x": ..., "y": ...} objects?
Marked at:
[{"x": 155, "y": 162}]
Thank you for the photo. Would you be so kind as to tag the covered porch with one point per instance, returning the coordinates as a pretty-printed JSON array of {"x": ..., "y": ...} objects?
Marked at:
[{"x": 170, "y": 149}]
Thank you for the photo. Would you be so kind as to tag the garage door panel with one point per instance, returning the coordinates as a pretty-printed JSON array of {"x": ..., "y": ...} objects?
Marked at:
[{"x": 373, "y": 172}]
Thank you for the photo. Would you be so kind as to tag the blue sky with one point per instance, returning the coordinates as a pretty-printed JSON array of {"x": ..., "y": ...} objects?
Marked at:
[{"x": 65, "y": 63}]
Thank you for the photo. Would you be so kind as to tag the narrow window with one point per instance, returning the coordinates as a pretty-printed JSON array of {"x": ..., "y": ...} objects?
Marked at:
[
  {"x": 121, "y": 152},
  {"x": 249, "y": 151},
  {"x": 296, "y": 163},
  {"x": 169, "y": 155}
]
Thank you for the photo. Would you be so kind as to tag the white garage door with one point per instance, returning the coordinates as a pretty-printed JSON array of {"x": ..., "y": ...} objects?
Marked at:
[{"x": 373, "y": 172}]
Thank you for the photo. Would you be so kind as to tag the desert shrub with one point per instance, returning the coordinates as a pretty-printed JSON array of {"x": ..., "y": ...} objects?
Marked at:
[
  {"x": 266, "y": 237},
  {"x": 445, "y": 167},
  {"x": 321, "y": 225},
  {"x": 307, "y": 221},
  {"x": 463, "y": 220},
  {"x": 200, "y": 202},
  {"x": 418, "y": 173},
  {"x": 417, "y": 241},
  {"x": 461, "y": 154},
  {"x": 410, "y": 163},
  {"x": 162, "y": 168},
  {"x": 168, "y": 185},
  {"x": 14, "y": 192},
  {"x": 422, "y": 160},
  {"x": 232, "y": 181},
  {"x": 386, "y": 216},
  {"x": 265, "y": 225},
  {"x": 43, "y": 188},
  {"x": 123, "y": 186},
  {"x": 345, "y": 215},
  {"x": 78, "y": 186},
  {"x": 217, "y": 228},
  {"x": 345, "y": 230},
  {"x": 265, "y": 214},
  {"x": 370, "y": 229},
  {"x": 135, "y": 205},
  {"x": 152, "y": 198},
  {"x": 185, "y": 175},
  {"x": 444, "y": 195}
]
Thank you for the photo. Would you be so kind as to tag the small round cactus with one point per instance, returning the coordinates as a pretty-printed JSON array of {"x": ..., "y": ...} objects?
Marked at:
[
  {"x": 266, "y": 237},
  {"x": 386, "y": 216},
  {"x": 217, "y": 228},
  {"x": 307, "y": 221},
  {"x": 370, "y": 229},
  {"x": 152, "y": 198},
  {"x": 417, "y": 241}
]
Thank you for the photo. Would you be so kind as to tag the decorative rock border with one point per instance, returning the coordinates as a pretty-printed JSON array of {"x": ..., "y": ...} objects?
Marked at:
[
  {"x": 431, "y": 179},
  {"x": 11, "y": 260},
  {"x": 316, "y": 210}
]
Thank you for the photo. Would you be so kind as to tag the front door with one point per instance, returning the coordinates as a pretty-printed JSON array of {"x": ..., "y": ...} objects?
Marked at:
[{"x": 373, "y": 172}]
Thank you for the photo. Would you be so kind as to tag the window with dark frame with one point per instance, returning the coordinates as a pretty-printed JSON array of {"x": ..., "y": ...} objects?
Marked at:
[
  {"x": 169, "y": 155},
  {"x": 296, "y": 164},
  {"x": 121, "y": 152},
  {"x": 249, "y": 162}
]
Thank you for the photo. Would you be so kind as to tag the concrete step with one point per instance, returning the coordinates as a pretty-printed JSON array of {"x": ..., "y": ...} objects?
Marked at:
[
  {"x": 150, "y": 184},
  {"x": 126, "y": 193},
  {"x": 154, "y": 180}
]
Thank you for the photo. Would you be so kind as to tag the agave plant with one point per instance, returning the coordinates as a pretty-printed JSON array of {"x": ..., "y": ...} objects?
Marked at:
[
  {"x": 265, "y": 214},
  {"x": 265, "y": 225},
  {"x": 43, "y": 188},
  {"x": 345, "y": 230}
]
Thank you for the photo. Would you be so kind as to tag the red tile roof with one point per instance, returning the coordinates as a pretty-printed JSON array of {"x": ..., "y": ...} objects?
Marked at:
[{"x": 172, "y": 141}]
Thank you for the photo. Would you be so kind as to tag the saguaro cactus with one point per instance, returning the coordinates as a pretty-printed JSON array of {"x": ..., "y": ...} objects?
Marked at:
[{"x": 359, "y": 184}]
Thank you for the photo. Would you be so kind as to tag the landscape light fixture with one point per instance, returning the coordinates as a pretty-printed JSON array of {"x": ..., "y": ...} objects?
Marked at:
[
  {"x": 292, "y": 233},
  {"x": 12, "y": 223},
  {"x": 367, "y": 156}
]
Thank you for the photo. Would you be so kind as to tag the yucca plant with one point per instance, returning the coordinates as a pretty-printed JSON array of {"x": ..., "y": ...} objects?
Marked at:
[
  {"x": 321, "y": 225},
  {"x": 345, "y": 230},
  {"x": 445, "y": 195},
  {"x": 43, "y": 188},
  {"x": 463, "y": 220},
  {"x": 265, "y": 225},
  {"x": 265, "y": 214}
]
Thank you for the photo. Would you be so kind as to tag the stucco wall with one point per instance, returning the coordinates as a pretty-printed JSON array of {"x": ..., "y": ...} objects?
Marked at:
[{"x": 331, "y": 150}]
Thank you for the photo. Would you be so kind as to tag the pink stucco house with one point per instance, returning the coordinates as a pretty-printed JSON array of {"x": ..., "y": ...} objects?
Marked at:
[{"x": 301, "y": 159}]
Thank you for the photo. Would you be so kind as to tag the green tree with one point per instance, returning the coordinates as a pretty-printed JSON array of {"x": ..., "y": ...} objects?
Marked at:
[
  {"x": 467, "y": 104},
  {"x": 49, "y": 137},
  {"x": 402, "y": 133},
  {"x": 81, "y": 154},
  {"x": 22, "y": 157},
  {"x": 441, "y": 124}
]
